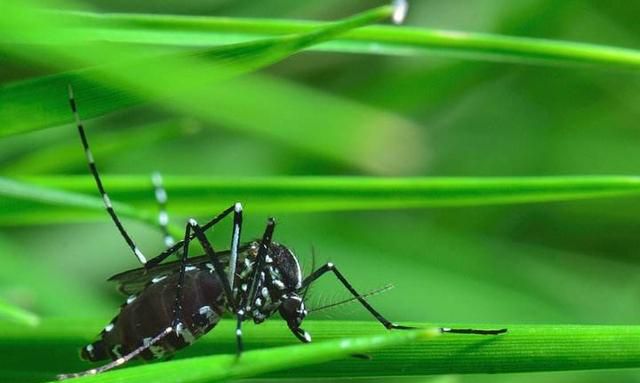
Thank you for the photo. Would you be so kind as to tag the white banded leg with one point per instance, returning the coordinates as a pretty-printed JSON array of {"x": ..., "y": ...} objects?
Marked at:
[
  {"x": 248, "y": 297},
  {"x": 235, "y": 242},
  {"x": 163, "y": 216},
  {"x": 119, "y": 361},
  {"x": 94, "y": 171}
]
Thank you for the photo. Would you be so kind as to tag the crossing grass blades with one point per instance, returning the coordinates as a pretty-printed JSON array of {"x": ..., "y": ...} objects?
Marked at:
[{"x": 170, "y": 305}]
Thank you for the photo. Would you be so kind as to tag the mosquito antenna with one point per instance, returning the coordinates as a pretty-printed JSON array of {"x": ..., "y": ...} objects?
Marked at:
[
  {"x": 313, "y": 267},
  {"x": 352, "y": 299}
]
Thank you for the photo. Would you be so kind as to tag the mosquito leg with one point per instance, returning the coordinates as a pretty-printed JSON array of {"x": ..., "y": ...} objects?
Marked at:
[
  {"x": 94, "y": 171},
  {"x": 167, "y": 252},
  {"x": 472, "y": 331},
  {"x": 245, "y": 302},
  {"x": 163, "y": 216},
  {"x": 239, "y": 344},
  {"x": 208, "y": 249},
  {"x": 235, "y": 242},
  {"x": 330, "y": 267},
  {"x": 250, "y": 295},
  {"x": 177, "y": 306},
  {"x": 119, "y": 361},
  {"x": 192, "y": 225},
  {"x": 217, "y": 265},
  {"x": 386, "y": 323}
]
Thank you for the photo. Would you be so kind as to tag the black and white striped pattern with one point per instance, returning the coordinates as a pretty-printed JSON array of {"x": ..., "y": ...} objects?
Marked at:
[
  {"x": 94, "y": 171},
  {"x": 235, "y": 242},
  {"x": 119, "y": 361},
  {"x": 163, "y": 215}
]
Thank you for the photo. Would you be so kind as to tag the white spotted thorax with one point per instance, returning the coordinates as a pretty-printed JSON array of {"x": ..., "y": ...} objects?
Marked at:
[{"x": 282, "y": 274}]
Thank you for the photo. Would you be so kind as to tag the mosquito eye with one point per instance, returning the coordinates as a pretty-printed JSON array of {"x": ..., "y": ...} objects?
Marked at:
[{"x": 292, "y": 309}]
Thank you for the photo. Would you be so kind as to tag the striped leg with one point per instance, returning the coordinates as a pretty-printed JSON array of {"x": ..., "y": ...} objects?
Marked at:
[
  {"x": 330, "y": 267},
  {"x": 236, "y": 209},
  {"x": 235, "y": 242},
  {"x": 247, "y": 299},
  {"x": 163, "y": 216},
  {"x": 119, "y": 361},
  {"x": 94, "y": 171}
]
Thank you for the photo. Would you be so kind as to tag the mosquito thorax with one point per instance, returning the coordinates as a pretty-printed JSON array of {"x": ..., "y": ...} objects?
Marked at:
[{"x": 281, "y": 276}]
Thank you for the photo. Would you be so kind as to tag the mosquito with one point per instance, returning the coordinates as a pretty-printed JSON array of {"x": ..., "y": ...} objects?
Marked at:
[{"x": 172, "y": 304}]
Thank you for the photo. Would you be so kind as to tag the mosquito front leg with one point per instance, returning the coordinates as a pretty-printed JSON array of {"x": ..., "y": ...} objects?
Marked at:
[
  {"x": 330, "y": 267},
  {"x": 386, "y": 323}
]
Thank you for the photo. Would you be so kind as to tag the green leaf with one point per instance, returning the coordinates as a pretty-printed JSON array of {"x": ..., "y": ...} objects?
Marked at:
[
  {"x": 189, "y": 83},
  {"x": 67, "y": 198},
  {"x": 525, "y": 348},
  {"x": 62, "y": 154},
  {"x": 68, "y": 333},
  {"x": 198, "y": 31}
]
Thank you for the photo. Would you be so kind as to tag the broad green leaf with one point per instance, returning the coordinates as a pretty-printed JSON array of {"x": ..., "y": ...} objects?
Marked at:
[
  {"x": 525, "y": 348},
  {"x": 69, "y": 198}
]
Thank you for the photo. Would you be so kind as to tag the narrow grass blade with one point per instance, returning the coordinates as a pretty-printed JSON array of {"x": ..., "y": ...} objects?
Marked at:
[
  {"x": 38, "y": 197},
  {"x": 62, "y": 155},
  {"x": 18, "y": 315},
  {"x": 525, "y": 348},
  {"x": 65, "y": 198},
  {"x": 191, "y": 31}
]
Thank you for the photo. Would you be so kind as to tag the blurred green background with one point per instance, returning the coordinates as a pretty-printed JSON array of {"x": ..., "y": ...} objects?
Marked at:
[{"x": 572, "y": 262}]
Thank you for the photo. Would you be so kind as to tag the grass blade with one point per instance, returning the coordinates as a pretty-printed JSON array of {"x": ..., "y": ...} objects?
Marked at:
[
  {"x": 258, "y": 360},
  {"x": 181, "y": 82},
  {"x": 61, "y": 155},
  {"x": 192, "y": 31},
  {"x": 525, "y": 348},
  {"x": 38, "y": 197},
  {"x": 17, "y": 314},
  {"x": 67, "y": 198}
]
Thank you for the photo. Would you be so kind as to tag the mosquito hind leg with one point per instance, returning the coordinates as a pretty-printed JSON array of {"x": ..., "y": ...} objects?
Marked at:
[
  {"x": 163, "y": 215},
  {"x": 120, "y": 361}
]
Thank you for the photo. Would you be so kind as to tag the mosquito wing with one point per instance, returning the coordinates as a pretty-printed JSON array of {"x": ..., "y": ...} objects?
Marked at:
[{"x": 133, "y": 281}]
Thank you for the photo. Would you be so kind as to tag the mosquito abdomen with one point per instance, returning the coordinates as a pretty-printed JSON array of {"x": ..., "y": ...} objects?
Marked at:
[
  {"x": 95, "y": 352},
  {"x": 148, "y": 314}
]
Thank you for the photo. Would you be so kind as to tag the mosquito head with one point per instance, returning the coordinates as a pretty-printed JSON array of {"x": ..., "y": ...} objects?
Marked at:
[{"x": 293, "y": 311}]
